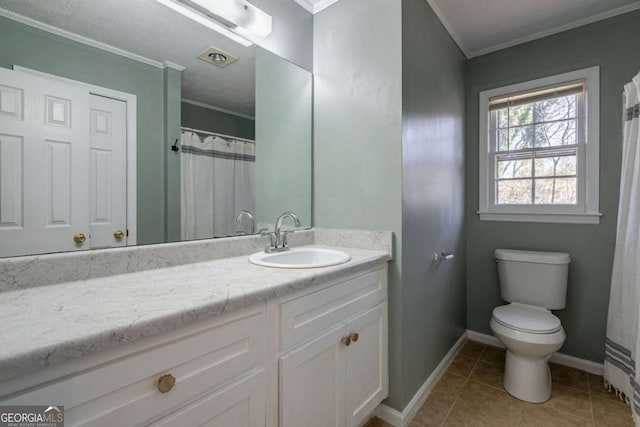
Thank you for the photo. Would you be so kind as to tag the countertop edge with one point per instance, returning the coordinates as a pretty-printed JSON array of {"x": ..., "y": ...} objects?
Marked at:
[{"x": 21, "y": 363}]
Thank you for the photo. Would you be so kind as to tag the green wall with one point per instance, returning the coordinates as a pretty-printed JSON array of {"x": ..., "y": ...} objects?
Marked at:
[
  {"x": 36, "y": 49},
  {"x": 607, "y": 44},
  {"x": 433, "y": 108},
  {"x": 357, "y": 148},
  {"x": 196, "y": 117},
  {"x": 172, "y": 120},
  {"x": 284, "y": 95}
]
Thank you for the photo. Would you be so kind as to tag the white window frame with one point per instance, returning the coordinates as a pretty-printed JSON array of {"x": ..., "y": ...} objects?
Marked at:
[{"x": 587, "y": 209}]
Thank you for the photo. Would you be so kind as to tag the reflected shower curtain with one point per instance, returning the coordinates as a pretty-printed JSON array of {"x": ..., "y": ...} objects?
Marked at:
[
  {"x": 622, "y": 344},
  {"x": 217, "y": 181}
]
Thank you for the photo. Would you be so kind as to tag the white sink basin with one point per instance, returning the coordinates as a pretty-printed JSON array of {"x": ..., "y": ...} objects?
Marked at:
[{"x": 300, "y": 258}]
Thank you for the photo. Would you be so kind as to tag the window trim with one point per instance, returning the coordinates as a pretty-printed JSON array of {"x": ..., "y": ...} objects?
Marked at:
[{"x": 587, "y": 211}]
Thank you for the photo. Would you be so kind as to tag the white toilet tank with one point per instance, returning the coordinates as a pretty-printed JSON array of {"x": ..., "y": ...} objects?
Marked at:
[{"x": 534, "y": 278}]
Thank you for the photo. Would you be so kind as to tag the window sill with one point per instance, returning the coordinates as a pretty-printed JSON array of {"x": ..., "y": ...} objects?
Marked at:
[{"x": 550, "y": 218}]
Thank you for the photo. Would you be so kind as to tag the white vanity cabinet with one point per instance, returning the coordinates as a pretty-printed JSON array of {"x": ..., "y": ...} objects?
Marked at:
[
  {"x": 332, "y": 364},
  {"x": 314, "y": 357},
  {"x": 217, "y": 366}
]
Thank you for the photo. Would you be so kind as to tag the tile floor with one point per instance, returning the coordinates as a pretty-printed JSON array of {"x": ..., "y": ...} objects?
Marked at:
[{"x": 470, "y": 393}]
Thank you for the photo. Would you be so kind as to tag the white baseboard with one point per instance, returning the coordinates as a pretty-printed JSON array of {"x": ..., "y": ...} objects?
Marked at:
[
  {"x": 389, "y": 415},
  {"x": 559, "y": 358},
  {"x": 575, "y": 362},
  {"x": 401, "y": 419}
]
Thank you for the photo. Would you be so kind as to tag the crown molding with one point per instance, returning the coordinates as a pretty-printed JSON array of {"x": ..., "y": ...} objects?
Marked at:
[
  {"x": 213, "y": 107},
  {"x": 448, "y": 27},
  {"x": 570, "y": 26},
  {"x": 315, "y": 7},
  {"x": 173, "y": 65},
  {"x": 510, "y": 43},
  {"x": 78, "y": 38}
]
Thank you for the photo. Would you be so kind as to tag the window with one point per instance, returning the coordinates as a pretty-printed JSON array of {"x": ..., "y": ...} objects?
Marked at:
[{"x": 539, "y": 150}]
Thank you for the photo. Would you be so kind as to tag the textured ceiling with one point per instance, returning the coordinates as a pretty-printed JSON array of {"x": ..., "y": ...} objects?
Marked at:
[
  {"x": 482, "y": 26},
  {"x": 149, "y": 29}
]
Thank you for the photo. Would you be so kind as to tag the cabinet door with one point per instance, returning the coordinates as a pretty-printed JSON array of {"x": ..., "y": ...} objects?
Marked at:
[
  {"x": 366, "y": 364},
  {"x": 241, "y": 404},
  {"x": 312, "y": 383}
]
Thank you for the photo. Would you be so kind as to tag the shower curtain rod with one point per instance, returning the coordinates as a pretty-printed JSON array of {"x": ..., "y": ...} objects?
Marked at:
[{"x": 217, "y": 134}]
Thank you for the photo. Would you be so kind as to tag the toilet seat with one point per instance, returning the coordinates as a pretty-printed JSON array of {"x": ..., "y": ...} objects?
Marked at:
[{"x": 527, "y": 318}]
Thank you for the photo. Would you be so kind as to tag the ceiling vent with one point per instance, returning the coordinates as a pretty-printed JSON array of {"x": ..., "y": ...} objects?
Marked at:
[{"x": 217, "y": 57}]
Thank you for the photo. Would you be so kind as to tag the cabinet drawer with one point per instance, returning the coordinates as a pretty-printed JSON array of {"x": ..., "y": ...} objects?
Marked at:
[
  {"x": 241, "y": 404},
  {"x": 125, "y": 392},
  {"x": 312, "y": 313}
]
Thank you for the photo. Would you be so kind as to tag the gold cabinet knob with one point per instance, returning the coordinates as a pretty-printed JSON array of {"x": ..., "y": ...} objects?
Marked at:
[
  {"x": 346, "y": 341},
  {"x": 166, "y": 383},
  {"x": 118, "y": 234},
  {"x": 354, "y": 337},
  {"x": 79, "y": 238}
]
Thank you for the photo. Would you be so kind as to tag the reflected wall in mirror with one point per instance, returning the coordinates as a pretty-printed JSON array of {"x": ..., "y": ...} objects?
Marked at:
[{"x": 93, "y": 96}]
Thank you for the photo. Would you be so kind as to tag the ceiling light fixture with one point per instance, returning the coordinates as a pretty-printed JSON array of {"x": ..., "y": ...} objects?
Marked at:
[
  {"x": 217, "y": 57},
  {"x": 236, "y": 14},
  {"x": 237, "y": 19}
]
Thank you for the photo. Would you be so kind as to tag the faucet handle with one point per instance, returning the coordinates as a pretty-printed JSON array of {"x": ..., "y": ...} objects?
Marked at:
[
  {"x": 271, "y": 243},
  {"x": 285, "y": 237}
]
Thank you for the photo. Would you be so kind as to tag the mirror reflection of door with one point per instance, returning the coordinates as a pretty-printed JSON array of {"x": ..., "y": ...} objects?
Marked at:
[{"x": 63, "y": 166}]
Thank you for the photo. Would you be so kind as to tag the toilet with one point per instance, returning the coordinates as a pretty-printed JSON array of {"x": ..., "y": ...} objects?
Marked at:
[{"x": 533, "y": 283}]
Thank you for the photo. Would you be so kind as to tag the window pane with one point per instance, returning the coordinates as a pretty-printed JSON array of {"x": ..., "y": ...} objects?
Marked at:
[
  {"x": 559, "y": 191},
  {"x": 514, "y": 192},
  {"x": 503, "y": 140},
  {"x": 560, "y": 108},
  {"x": 520, "y": 138},
  {"x": 514, "y": 168},
  {"x": 521, "y": 115},
  {"x": 503, "y": 117},
  {"x": 553, "y": 166},
  {"x": 556, "y": 134}
]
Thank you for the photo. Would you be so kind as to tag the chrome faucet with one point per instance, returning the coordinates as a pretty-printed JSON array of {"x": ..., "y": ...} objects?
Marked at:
[
  {"x": 278, "y": 239},
  {"x": 252, "y": 224}
]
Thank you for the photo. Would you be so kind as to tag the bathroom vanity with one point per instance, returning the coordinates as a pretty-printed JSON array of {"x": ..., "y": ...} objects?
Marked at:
[{"x": 221, "y": 343}]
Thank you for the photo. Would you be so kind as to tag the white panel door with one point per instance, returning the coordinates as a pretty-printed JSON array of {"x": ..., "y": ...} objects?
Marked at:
[
  {"x": 108, "y": 169},
  {"x": 312, "y": 383},
  {"x": 366, "y": 372},
  {"x": 63, "y": 166},
  {"x": 44, "y": 154}
]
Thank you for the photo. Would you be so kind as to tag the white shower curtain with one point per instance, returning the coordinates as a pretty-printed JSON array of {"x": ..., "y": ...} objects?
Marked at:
[
  {"x": 217, "y": 181},
  {"x": 622, "y": 344}
]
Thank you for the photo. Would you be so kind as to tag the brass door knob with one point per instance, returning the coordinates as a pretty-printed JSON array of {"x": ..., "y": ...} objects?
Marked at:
[
  {"x": 79, "y": 238},
  {"x": 346, "y": 341},
  {"x": 166, "y": 383},
  {"x": 354, "y": 337},
  {"x": 118, "y": 234}
]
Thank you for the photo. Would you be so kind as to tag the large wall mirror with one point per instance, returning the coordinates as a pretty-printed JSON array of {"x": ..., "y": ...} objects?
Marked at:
[{"x": 126, "y": 123}]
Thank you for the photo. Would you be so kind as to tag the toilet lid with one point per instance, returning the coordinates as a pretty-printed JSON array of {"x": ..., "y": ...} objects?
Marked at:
[{"x": 527, "y": 318}]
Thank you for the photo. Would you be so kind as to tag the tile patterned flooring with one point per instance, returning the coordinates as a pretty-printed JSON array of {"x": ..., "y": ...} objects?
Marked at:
[{"x": 470, "y": 393}]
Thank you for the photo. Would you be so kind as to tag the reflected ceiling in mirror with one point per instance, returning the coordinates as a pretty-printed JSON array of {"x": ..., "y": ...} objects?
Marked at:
[
  {"x": 152, "y": 33},
  {"x": 150, "y": 52}
]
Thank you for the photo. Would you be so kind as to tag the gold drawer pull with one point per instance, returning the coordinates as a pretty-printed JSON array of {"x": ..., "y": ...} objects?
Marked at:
[
  {"x": 118, "y": 234},
  {"x": 354, "y": 337},
  {"x": 79, "y": 238},
  {"x": 166, "y": 383},
  {"x": 346, "y": 341}
]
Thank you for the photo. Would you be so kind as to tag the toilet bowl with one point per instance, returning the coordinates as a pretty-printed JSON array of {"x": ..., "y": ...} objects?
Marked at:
[
  {"x": 531, "y": 336},
  {"x": 533, "y": 283}
]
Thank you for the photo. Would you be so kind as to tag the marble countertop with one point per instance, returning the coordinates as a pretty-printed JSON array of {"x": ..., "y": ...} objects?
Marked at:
[{"x": 48, "y": 325}]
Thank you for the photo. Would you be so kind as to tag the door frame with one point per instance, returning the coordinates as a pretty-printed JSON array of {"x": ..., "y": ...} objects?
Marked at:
[{"x": 132, "y": 128}]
